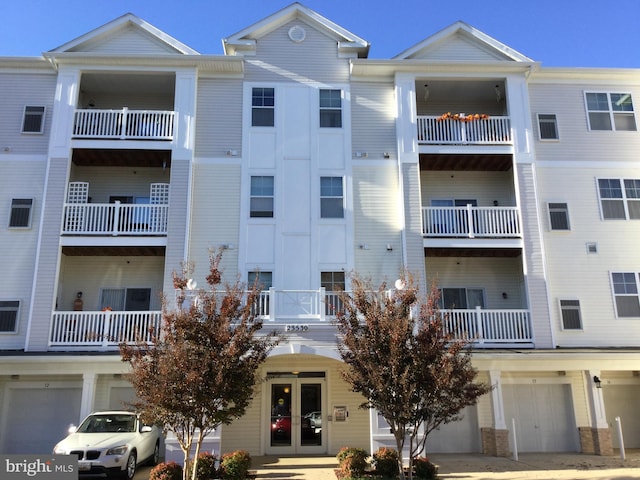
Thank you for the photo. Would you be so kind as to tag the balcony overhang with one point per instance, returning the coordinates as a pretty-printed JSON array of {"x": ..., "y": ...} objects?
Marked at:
[
  {"x": 114, "y": 251},
  {"x": 103, "y": 157},
  {"x": 449, "y": 161},
  {"x": 496, "y": 251}
]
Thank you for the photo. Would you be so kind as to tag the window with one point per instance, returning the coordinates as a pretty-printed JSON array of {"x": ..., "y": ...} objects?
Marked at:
[
  {"x": 461, "y": 298},
  {"x": 265, "y": 279},
  {"x": 261, "y": 202},
  {"x": 331, "y": 108},
  {"x": 33, "y": 120},
  {"x": 548, "y": 126},
  {"x": 331, "y": 197},
  {"x": 558, "y": 216},
  {"x": 9, "y": 316},
  {"x": 126, "y": 299},
  {"x": 262, "y": 107},
  {"x": 610, "y": 111},
  {"x": 20, "y": 213},
  {"x": 619, "y": 199},
  {"x": 570, "y": 310},
  {"x": 625, "y": 291},
  {"x": 333, "y": 283},
  {"x": 265, "y": 282}
]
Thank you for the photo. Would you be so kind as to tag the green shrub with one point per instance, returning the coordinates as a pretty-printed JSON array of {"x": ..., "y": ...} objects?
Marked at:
[
  {"x": 166, "y": 471},
  {"x": 424, "y": 469},
  {"x": 235, "y": 465},
  {"x": 385, "y": 461},
  {"x": 352, "y": 462},
  {"x": 206, "y": 468}
]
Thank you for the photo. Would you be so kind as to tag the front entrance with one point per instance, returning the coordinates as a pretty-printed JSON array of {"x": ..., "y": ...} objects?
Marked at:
[{"x": 296, "y": 413}]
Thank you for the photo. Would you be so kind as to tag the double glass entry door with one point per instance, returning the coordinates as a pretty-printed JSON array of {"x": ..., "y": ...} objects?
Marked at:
[{"x": 296, "y": 417}]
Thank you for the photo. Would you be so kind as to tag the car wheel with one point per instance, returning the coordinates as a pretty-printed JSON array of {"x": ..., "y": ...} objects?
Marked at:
[
  {"x": 130, "y": 470},
  {"x": 156, "y": 455}
]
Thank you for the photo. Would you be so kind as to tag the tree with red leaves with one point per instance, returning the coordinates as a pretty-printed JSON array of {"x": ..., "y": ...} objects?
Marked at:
[
  {"x": 401, "y": 359},
  {"x": 200, "y": 370}
]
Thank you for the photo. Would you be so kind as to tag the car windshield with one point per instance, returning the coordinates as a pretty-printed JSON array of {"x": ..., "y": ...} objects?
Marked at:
[{"x": 108, "y": 423}]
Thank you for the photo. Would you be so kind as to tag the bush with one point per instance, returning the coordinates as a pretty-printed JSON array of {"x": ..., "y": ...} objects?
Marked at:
[
  {"x": 424, "y": 469},
  {"x": 235, "y": 465},
  {"x": 166, "y": 471},
  {"x": 206, "y": 468},
  {"x": 352, "y": 462},
  {"x": 385, "y": 461}
]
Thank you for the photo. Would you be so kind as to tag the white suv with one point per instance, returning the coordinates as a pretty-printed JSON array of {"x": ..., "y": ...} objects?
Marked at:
[{"x": 113, "y": 442}]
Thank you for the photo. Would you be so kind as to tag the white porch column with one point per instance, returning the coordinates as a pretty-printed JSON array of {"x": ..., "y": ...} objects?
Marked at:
[
  {"x": 497, "y": 404},
  {"x": 596, "y": 401},
  {"x": 89, "y": 381}
]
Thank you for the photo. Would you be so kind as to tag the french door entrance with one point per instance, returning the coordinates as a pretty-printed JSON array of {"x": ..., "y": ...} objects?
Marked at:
[{"x": 296, "y": 413}]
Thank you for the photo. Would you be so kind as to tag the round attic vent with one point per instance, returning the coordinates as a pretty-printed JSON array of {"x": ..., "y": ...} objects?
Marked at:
[{"x": 297, "y": 34}]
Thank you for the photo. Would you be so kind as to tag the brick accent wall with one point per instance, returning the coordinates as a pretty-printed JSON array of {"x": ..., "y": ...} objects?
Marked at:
[
  {"x": 596, "y": 441},
  {"x": 495, "y": 442}
]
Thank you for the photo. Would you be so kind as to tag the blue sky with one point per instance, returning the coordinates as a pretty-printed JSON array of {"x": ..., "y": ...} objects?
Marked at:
[{"x": 559, "y": 33}]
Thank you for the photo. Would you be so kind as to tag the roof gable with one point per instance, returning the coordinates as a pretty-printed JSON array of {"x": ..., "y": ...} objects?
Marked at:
[
  {"x": 127, "y": 34},
  {"x": 244, "y": 41},
  {"x": 461, "y": 42}
]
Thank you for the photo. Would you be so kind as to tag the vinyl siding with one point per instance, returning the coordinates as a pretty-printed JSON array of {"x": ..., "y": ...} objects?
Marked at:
[
  {"x": 485, "y": 187},
  {"x": 114, "y": 181},
  {"x": 19, "y": 90},
  {"x": 458, "y": 48},
  {"x": 373, "y": 119},
  {"x": 123, "y": 99},
  {"x": 126, "y": 40},
  {"x": 219, "y": 117},
  {"x": 278, "y": 59}
]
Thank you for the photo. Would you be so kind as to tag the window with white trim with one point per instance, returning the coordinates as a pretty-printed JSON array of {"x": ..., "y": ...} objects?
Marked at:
[
  {"x": 265, "y": 279},
  {"x": 558, "y": 216},
  {"x": 619, "y": 198},
  {"x": 461, "y": 298},
  {"x": 610, "y": 111},
  {"x": 262, "y": 197},
  {"x": 9, "y": 316},
  {"x": 20, "y": 216},
  {"x": 548, "y": 126},
  {"x": 125, "y": 299},
  {"x": 330, "y": 108},
  {"x": 33, "y": 119},
  {"x": 625, "y": 292},
  {"x": 570, "y": 311},
  {"x": 262, "y": 107},
  {"x": 331, "y": 197}
]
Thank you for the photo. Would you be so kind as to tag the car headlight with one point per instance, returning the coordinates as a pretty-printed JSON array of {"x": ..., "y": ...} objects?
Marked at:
[
  {"x": 121, "y": 450},
  {"x": 59, "y": 450}
]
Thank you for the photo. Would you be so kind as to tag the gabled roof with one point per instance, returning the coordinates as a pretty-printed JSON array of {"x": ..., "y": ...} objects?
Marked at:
[
  {"x": 244, "y": 41},
  {"x": 469, "y": 42},
  {"x": 88, "y": 42}
]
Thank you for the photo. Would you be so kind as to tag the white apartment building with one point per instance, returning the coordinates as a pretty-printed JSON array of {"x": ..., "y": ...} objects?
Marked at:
[{"x": 513, "y": 186}]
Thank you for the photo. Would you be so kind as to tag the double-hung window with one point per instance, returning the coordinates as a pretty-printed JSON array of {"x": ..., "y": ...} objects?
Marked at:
[
  {"x": 20, "y": 216},
  {"x": 625, "y": 291},
  {"x": 262, "y": 107},
  {"x": 33, "y": 119},
  {"x": 610, "y": 111},
  {"x": 9, "y": 316},
  {"x": 570, "y": 310},
  {"x": 619, "y": 198},
  {"x": 261, "y": 202},
  {"x": 331, "y": 197},
  {"x": 548, "y": 126},
  {"x": 330, "y": 108},
  {"x": 558, "y": 216}
]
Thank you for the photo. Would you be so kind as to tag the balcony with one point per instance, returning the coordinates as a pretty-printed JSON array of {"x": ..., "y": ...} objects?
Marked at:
[
  {"x": 471, "y": 222},
  {"x": 101, "y": 330},
  {"x": 114, "y": 219},
  {"x": 434, "y": 130},
  {"x": 123, "y": 124},
  {"x": 489, "y": 327}
]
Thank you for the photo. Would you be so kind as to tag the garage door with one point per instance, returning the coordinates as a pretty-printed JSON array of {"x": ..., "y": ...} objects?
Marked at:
[
  {"x": 457, "y": 437},
  {"x": 622, "y": 401},
  {"x": 544, "y": 417},
  {"x": 36, "y": 419}
]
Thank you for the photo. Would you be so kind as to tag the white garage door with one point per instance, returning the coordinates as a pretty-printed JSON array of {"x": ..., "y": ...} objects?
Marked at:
[
  {"x": 544, "y": 417},
  {"x": 457, "y": 437},
  {"x": 35, "y": 419},
  {"x": 622, "y": 401}
]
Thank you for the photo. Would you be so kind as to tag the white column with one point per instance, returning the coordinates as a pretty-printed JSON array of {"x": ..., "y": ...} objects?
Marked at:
[
  {"x": 497, "y": 404},
  {"x": 89, "y": 381},
  {"x": 596, "y": 401}
]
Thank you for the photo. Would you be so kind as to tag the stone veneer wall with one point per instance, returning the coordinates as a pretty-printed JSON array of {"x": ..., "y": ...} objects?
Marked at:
[
  {"x": 495, "y": 442},
  {"x": 596, "y": 441}
]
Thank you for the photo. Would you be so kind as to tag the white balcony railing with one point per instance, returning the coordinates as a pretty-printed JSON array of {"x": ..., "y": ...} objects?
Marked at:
[
  {"x": 102, "y": 330},
  {"x": 114, "y": 219},
  {"x": 123, "y": 124},
  {"x": 489, "y": 326},
  {"x": 471, "y": 222},
  {"x": 489, "y": 131}
]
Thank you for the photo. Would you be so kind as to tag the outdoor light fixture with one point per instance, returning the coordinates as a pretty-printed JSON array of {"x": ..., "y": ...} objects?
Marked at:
[{"x": 597, "y": 381}]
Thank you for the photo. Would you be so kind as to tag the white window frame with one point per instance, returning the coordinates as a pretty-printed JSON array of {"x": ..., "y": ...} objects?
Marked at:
[
  {"x": 550, "y": 121},
  {"x": 334, "y": 110},
  {"x": 466, "y": 295},
  {"x": 21, "y": 207},
  {"x": 8, "y": 308},
  {"x": 625, "y": 294},
  {"x": 612, "y": 113},
  {"x": 333, "y": 197},
  {"x": 257, "y": 196},
  {"x": 624, "y": 198},
  {"x": 263, "y": 107},
  {"x": 40, "y": 114},
  {"x": 555, "y": 209},
  {"x": 567, "y": 308}
]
